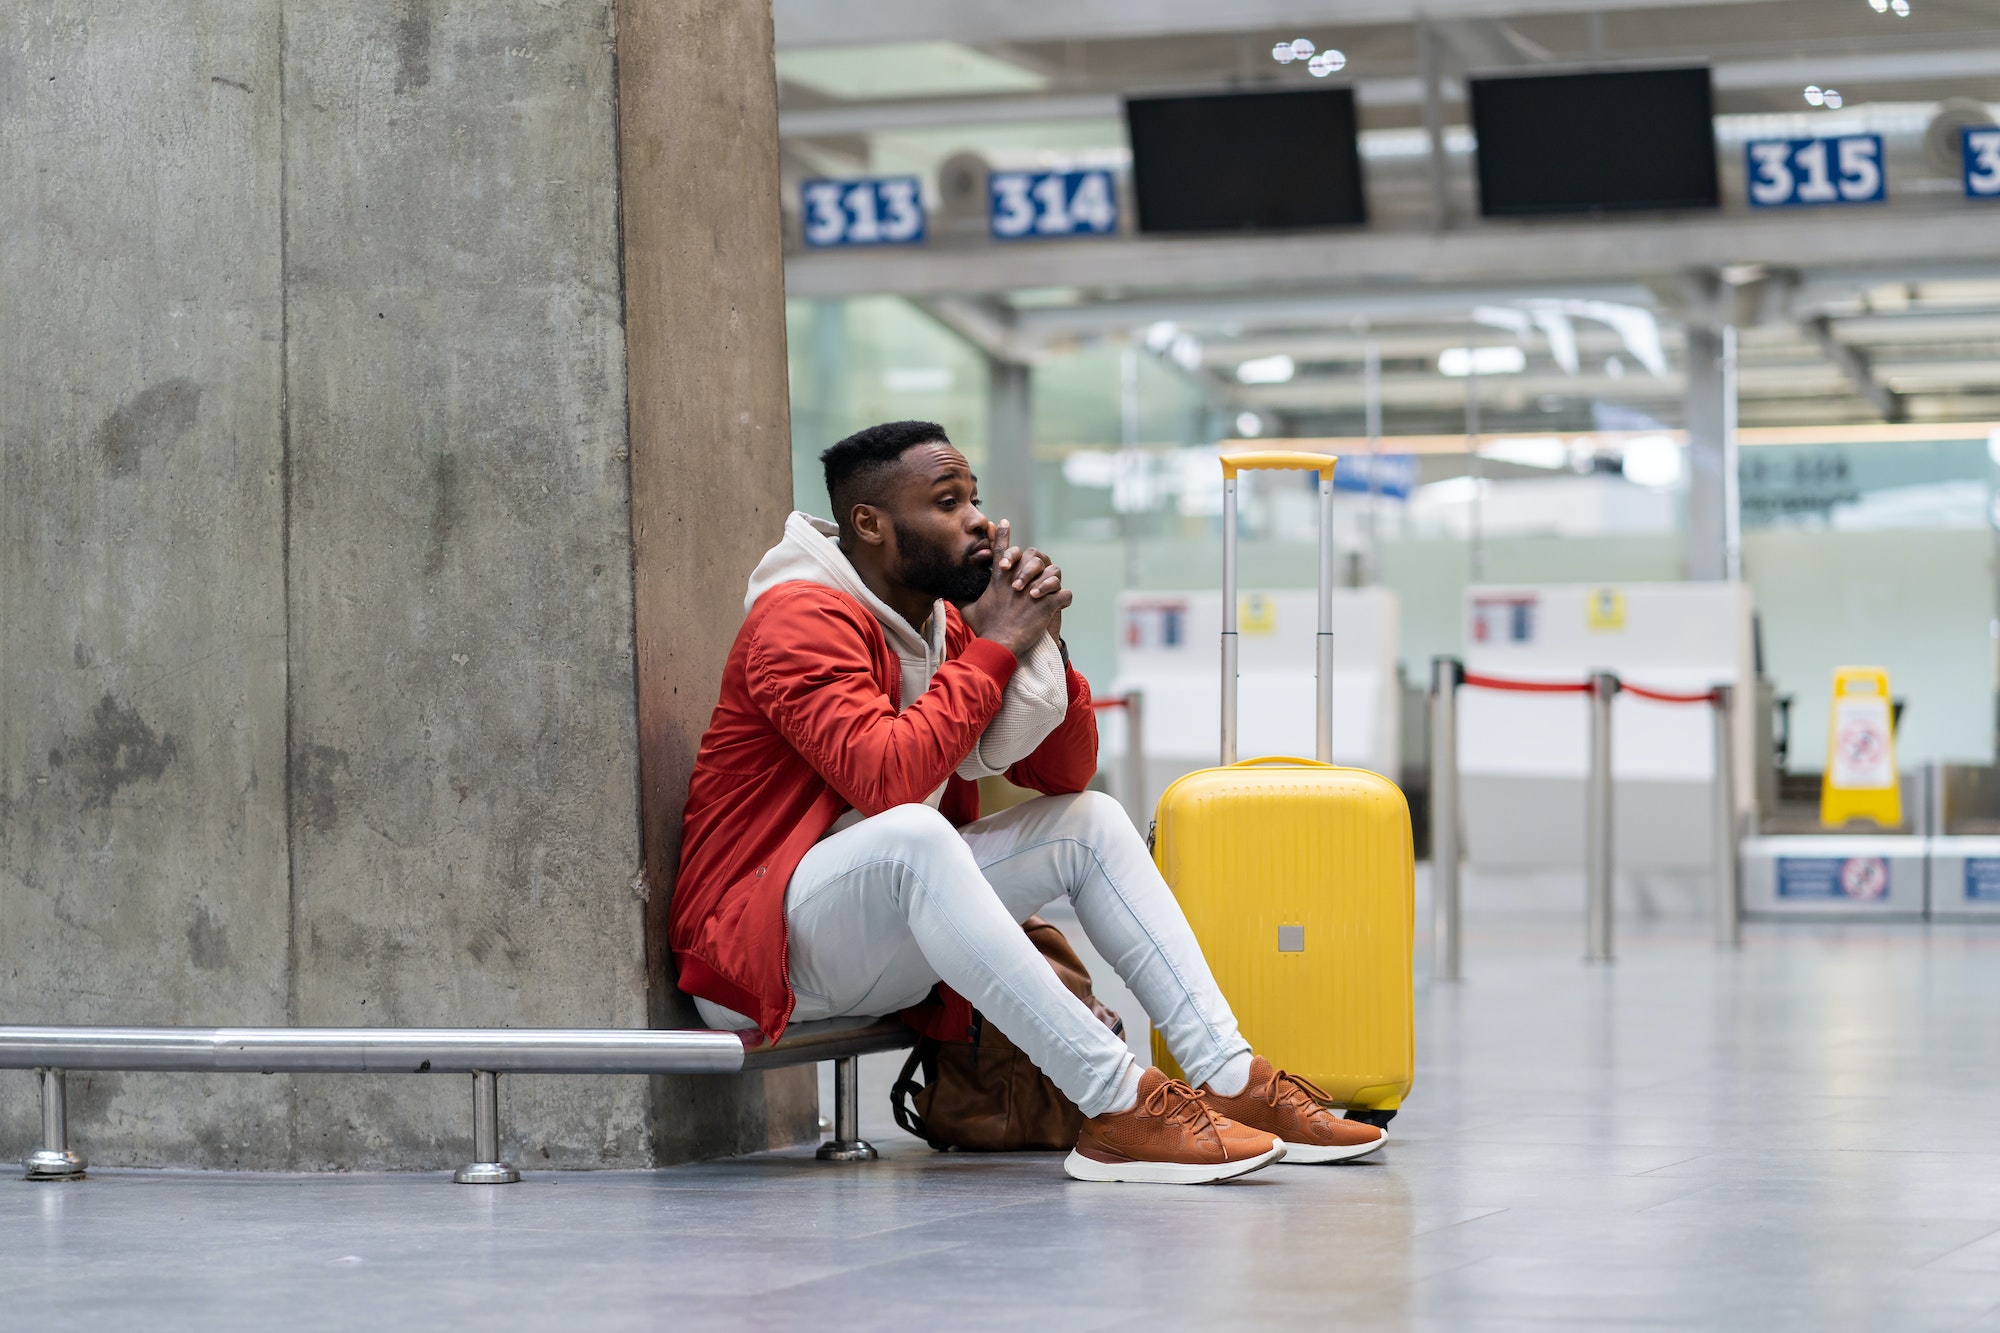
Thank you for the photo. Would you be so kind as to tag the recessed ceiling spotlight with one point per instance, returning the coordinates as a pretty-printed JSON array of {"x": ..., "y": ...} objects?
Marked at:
[
  {"x": 1249, "y": 425},
  {"x": 1282, "y": 52},
  {"x": 1833, "y": 99},
  {"x": 1301, "y": 49},
  {"x": 1879, "y": 6},
  {"x": 1900, "y": 8},
  {"x": 1814, "y": 97},
  {"x": 1327, "y": 62}
]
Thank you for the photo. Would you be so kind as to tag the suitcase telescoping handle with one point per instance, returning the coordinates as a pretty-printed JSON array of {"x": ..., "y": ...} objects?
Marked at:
[{"x": 1289, "y": 461}]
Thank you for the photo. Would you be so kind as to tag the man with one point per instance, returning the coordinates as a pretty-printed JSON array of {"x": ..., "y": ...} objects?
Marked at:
[{"x": 833, "y": 861}]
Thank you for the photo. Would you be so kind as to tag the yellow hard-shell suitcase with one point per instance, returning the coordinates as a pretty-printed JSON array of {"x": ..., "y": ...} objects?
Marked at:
[{"x": 1298, "y": 878}]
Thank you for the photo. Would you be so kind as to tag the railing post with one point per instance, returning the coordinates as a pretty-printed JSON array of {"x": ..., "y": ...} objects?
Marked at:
[
  {"x": 1446, "y": 905},
  {"x": 54, "y": 1160},
  {"x": 1728, "y": 895},
  {"x": 846, "y": 1145},
  {"x": 486, "y": 1168},
  {"x": 1135, "y": 757},
  {"x": 1597, "y": 853}
]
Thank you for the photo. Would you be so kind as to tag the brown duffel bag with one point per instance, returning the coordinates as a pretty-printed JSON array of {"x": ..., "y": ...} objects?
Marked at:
[{"x": 984, "y": 1094}]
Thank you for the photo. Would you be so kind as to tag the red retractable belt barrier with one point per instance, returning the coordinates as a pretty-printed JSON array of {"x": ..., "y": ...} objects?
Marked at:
[
  {"x": 1527, "y": 686},
  {"x": 1117, "y": 701},
  {"x": 1669, "y": 696},
  {"x": 1583, "y": 687}
]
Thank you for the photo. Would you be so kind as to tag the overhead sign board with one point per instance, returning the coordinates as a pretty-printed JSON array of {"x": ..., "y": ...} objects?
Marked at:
[
  {"x": 1982, "y": 161},
  {"x": 884, "y": 211},
  {"x": 1026, "y": 205},
  {"x": 1797, "y": 173}
]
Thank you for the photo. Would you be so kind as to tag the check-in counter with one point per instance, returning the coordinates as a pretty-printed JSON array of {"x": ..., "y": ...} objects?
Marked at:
[
  {"x": 1965, "y": 842},
  {"x": 1843, "y": 875}
]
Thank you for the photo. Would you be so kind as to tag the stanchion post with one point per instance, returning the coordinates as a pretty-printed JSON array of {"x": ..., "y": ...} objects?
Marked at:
[
  {"x": 1135, "y": 757},
  {"x": 1446, "y": 936},
  {"x": 1728, "y": 848},
  {"x": 1597, "y": 844}
]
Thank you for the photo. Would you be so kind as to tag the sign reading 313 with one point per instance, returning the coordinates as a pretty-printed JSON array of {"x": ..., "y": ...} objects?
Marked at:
[
  {"x": 886, "y": 211},
  {"x": 1025, "y": 204},
  {"x": 1792, "y": 173}
]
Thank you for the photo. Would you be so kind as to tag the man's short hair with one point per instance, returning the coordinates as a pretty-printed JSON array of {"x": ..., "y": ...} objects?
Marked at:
[{"x": 855, "y": 467}]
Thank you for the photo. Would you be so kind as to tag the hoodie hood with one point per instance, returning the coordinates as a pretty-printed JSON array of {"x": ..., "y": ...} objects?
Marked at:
[
  {"x": 810, "y": 553},
  {"x": 1037, "y": 696}
]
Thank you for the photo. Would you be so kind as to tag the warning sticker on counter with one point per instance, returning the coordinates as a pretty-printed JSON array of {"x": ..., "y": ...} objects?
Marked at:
[
  {"x": 1982, "y": 879},
  {"x": 1841, "y": 878}
]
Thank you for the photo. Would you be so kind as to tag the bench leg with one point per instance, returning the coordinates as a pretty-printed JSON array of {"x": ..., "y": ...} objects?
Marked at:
[
  {"x": 486, "y": 1167},
  {"x": 846, "y": 1145},
  {"x": 53, "y": 1160}
]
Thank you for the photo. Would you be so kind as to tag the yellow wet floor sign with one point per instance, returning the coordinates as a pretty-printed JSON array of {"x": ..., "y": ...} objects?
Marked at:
[{"x": 1860, "y": 780}]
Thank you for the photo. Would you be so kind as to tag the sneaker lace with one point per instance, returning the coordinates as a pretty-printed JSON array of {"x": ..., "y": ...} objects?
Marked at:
[
  {"x": 1298, "y": 1091},
  {"x": 1176, "y": 1103}
]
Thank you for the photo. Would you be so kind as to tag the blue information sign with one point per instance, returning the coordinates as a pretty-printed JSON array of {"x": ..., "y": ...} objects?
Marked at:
[
  {"x": 1021, "y": 205},
  {"x": 886, "y": 211},
  {"x": 1795, "y": 173},
  {"x": 1849, "y": 878},
  {"x": 1982, "y": 162},
  {"x": 1982, "y": 879}
]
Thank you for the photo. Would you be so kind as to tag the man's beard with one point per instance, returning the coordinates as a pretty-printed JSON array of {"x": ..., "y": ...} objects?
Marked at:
[{"x": 931, "y": 567}]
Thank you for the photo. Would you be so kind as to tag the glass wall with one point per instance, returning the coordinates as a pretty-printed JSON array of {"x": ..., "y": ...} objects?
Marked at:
[{"x": 1861, "y": 549}]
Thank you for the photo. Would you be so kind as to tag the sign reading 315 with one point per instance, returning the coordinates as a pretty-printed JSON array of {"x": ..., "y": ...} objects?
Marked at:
[
  {"x": 1024, "y": 204},
  {"x": 888, "y": 211},
  {"x": 1982, "y": 162},
  {"x": 1789, "y": 173}
]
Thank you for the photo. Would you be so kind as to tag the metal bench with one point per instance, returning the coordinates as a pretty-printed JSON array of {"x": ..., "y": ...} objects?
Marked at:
[{"x": 484, "y": 1053}]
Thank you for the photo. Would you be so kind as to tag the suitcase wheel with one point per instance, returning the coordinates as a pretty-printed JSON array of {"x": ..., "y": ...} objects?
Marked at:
[{"x": 1379, "y": 1119}]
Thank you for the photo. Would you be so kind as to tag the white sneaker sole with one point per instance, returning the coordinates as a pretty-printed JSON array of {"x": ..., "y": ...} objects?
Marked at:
[
  {"x": 1080, "y": 1167},
  {"x": 1313, "y": 1154}
]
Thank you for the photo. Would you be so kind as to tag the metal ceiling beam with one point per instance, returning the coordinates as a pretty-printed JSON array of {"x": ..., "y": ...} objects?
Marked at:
[
  {"x": 1854, "y": 368},
  {"x": 1734, "y": 76},
  {"x": 1523, "y": 256},
  {"x": 801, "y": 24}
]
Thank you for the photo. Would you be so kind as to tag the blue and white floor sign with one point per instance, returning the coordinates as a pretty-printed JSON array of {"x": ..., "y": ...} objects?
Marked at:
[
  {"x": 885, "y": 211},
  {"x": 1982, "y": 162},
  {"x": 1792, "y": 173},
  {"x": 1849, "y": 878},
  {"x": 1025, "y": 204}
]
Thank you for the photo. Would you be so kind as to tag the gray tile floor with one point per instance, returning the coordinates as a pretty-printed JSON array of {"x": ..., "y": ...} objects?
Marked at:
[{"x": 1802, "y": 1135}]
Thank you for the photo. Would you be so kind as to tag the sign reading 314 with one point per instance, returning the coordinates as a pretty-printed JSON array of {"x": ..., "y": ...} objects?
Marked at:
[
  {"x": 1982, "y": 161},
  {"x": 887, "y": 211},
  {"x": 1792, "y": 173},
  {"x": 1027, "y": 204}
]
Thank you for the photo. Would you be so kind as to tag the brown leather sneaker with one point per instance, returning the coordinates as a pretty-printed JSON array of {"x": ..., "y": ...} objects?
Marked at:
[
  {"x": 1171, "y": 1137},
  {"x": 1294, "y": 1110}
]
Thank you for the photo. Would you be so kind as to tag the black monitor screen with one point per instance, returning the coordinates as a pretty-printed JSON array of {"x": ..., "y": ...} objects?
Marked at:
[
  {"x": 1246, "y": 161},
  {"x": 1578, "y": 143}
]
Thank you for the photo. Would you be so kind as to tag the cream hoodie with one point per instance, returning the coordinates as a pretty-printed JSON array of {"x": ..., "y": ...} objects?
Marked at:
[{"x": 1037, "y": 695}]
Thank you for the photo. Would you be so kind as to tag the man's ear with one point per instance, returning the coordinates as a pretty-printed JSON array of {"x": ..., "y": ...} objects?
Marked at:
[{"x": 868, "y": 524}]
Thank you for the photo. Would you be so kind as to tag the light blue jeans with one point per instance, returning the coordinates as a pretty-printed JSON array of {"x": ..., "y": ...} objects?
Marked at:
[{"x": 882, "y": 911}]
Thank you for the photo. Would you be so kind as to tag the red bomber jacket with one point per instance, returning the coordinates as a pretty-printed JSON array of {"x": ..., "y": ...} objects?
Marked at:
[{"x": 807, "y": 727}]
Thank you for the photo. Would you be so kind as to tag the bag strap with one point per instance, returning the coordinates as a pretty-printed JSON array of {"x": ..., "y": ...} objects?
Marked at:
[{"x": 903, "y": 1091}]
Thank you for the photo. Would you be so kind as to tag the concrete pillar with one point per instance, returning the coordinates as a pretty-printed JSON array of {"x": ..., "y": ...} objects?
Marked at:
[
  {"x": 1714, "y": 544},
  {"x": 317, "y": 533},
  {"x": 463, "y": 755},
  {"x": 1008, "y": 479},
  {"x": 143, "y": 847},
  {"x": 711, "y": 451}
]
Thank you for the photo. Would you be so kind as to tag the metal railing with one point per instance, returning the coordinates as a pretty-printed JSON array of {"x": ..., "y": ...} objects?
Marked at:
[
  {"x": 484, "y": 1053},
  {"x": 1448, "y": 676}
]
